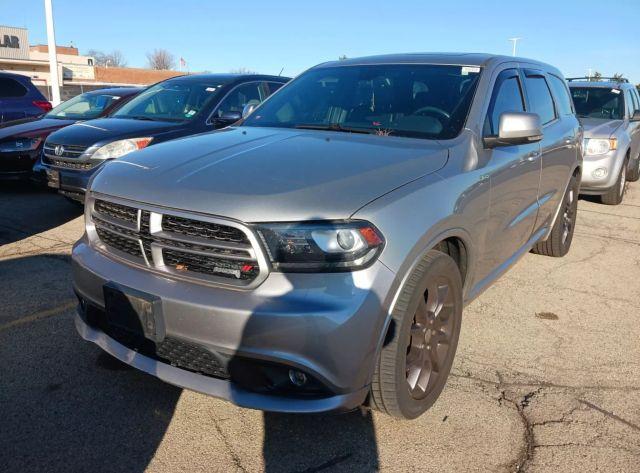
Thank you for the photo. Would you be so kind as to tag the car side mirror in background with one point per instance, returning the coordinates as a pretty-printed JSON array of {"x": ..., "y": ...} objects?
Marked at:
[
  {"x": 636, "y": 116},
  {"x": 226, "y": 119},
  {"x": 516, "y": 128},
  {"x": 248, "y": 109}
]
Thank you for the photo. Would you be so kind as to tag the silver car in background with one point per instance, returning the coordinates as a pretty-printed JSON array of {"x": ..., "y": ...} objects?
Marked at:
[
  {"x": 317, "y": 255},
  {"x": 609, "y": 111}
]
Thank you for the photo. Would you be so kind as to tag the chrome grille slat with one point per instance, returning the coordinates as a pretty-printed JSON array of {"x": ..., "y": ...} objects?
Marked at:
[{"x": 203, "y": 248}]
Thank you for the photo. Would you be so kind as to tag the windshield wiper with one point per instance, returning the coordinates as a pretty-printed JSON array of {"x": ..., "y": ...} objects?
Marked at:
[
  {"x": 140, "y": 117},
  {"x": 335, "y": 127}
]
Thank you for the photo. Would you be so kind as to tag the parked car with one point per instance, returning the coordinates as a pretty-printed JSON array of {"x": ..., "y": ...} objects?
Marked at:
[
  {"x": 21, "y": 141},
  {"x": 171, "y": 109},
  {"x": 19, "y": 98},
  {"x": 609, "y": 111},
  {"x": 319, "y": 253}
]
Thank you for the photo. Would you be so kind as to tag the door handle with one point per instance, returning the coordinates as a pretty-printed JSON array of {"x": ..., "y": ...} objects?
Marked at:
[{"x": 533, "y": 155}]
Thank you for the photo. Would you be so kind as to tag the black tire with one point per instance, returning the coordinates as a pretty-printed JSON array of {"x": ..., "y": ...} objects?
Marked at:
[
  {"x": 633, "y": 174},
  {"x": 432, "y": 297},
  {"x": 559, "y": 241},
  {"x": 616, "y": 194}
]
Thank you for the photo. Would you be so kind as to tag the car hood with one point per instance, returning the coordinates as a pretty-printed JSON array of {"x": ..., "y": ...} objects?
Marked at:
[
  {"x": 599, "y": 127},
  {"x": 109, "y": 129},
  {"x": 268, "y": 174},
  {"x": 33, "y": 127}
]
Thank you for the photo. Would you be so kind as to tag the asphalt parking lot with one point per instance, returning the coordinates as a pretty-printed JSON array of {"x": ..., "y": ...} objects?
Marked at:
[{"x": 547, "y": 376}]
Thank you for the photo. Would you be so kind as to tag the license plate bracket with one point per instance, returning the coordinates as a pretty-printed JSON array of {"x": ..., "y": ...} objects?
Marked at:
[
  {"x": 53, "y": 178},
  {"x": 134, "y": 311}
]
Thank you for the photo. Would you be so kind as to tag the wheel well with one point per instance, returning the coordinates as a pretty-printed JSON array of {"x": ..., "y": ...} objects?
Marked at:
[
  {"x": 455, "y": 248},
  {"x": 577, "y": 172}
]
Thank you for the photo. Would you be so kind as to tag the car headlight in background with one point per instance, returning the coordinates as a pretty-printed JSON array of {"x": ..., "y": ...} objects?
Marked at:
[
  {"x": 119, "y": 148},
  {"x": 321, "y": 246},
  {"x": 596, "y": 146},
  {"x": 20, "y": 144}
]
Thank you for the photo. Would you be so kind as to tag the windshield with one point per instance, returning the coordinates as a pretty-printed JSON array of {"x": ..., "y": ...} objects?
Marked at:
[
  {"x": 83, "y": 107},
  {"x": 423, "y": 101},
  {"x": 598, "y": 102},
  {"x": 177, "y": 100}
]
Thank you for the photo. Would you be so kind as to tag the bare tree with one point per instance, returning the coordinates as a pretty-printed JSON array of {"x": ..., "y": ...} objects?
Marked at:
[
  {"x": 113, "y": 59},
  {"x": 161, "y": 59},
  {"x": 242, "y": 70},
  {"x": 342, "y": 58},
  {"x": 617, "y": 77},
  {"x": 596, "y": 77}
]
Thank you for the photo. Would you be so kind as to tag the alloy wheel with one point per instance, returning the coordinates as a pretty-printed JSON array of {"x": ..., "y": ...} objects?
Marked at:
[
  {"x": 568, "y": 216},
  {"x": 430, "y": 338},
  {"x": 623, "y": 178}
]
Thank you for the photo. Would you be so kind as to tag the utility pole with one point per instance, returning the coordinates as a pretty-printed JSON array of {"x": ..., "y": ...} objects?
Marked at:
[
  {"x": 53, "y": 58},
  {"x": 515, "y": 42}
]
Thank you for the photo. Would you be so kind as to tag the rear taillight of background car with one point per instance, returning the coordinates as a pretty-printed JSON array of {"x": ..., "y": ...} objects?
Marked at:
[{"x": 43, "y": 105}]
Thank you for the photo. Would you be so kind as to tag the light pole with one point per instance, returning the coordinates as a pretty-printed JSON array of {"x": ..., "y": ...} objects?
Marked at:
[
  {"x": 53, "y": 59},
  {"x": 515, "y": 42}
]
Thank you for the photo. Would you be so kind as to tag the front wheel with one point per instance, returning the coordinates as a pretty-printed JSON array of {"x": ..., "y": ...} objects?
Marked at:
[
  {"x": 616, "y": 194},
  {"x": 561, "y": 236},
  {"x": 634, "y": 173},
  {"x": 413, "y": 367}
]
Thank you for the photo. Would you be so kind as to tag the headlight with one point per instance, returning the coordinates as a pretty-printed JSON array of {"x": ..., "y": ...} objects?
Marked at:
[
  {"x": 20, "y": 144},
  {"x": 596, "y": 146},
  {"x": 119, "y": 148},
  {"x": 321, "y": 246}
]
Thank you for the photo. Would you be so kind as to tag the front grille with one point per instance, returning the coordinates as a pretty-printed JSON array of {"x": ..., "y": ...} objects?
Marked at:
[
  {"x": 117, "y": 211},
  {"x": 182, "y": 246},
  {"x": 70, "y": 164},
  {"x": 190, "y": 227},
  {"x": 68, "y": 151}
]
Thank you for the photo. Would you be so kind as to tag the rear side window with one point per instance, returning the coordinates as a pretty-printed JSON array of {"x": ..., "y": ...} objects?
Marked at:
[
  {"x": 634, "y": 100},
  {"x": 637, "y": 96},
  {"x": 561, "y": 93},
  {"x": 540, "y": 98},
  {"x": 273, "y": 86},
  {"x": 507, "y": 97},
  {"x": 11, "y": 88}
]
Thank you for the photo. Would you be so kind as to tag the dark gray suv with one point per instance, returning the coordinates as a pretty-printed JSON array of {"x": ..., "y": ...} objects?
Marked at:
[{"x": 318, "y": 255}]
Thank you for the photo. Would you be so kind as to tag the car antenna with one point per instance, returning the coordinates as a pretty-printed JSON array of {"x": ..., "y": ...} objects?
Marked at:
[{"x": 281, "y": 72}]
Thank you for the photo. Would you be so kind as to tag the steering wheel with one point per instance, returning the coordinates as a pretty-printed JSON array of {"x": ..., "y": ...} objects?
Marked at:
[{"x": 434, "y": 111}]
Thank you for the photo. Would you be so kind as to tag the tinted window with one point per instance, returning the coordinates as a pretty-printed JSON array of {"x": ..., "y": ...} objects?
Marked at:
[
  {"x": 563, "y": 99},
  {"x": 598, "y": 102},
  {"x": 239, "y": 97},
  {"x": 636, "y": 99},
  {"x": 10, "y": 88},
  {"x": 628, "y": 102},
  {"x": 540, "y": 98},
  {"x": 273, "y": 86},
  {"x": 172, "y": 100},
  {"x": 83, "y": 107},
  {"x": 423, "y": 101},
  {"x": 507, "y": 97}
]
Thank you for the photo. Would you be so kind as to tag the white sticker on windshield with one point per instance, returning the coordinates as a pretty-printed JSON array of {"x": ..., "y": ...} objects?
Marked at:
[
  {"x": 115, "y": 97},
  {"x": 466, "y": 70},
  {"x": 615, "y": 91},
  {"x": 211, "y": 89},
  {"x": 190, "y": 113}
]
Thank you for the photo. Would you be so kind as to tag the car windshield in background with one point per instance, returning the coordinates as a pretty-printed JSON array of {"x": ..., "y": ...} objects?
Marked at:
[
  {"x": 83, "y": 107},
  {"x": 421, "y": 101},
  {"x": 598, "y": 102},
  {"x": 170, "y": 101}
]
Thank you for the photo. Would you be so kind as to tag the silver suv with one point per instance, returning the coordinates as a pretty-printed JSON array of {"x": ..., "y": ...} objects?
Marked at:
[
  {"x": 318, "y": 255},
  {"x": 609, "y": 111}
]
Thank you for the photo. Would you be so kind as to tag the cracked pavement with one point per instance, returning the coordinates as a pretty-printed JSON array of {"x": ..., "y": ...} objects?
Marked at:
[{"x": 546, "y": 379}]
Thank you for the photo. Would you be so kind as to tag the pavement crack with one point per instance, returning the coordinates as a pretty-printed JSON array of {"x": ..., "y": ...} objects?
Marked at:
[
  {"x": 43, "y": 314},
  {"x": 234, "y": 457},
  {"x": 610, "y": 415}
]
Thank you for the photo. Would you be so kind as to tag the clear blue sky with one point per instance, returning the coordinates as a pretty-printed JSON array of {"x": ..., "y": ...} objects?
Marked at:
[{"x": 266, "y": 36}]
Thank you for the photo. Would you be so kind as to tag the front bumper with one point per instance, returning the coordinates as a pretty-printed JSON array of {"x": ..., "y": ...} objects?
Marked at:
[
  {"x": 329, "y": 326},
  {"x": 611, "y": 161},
  {"x": 17, "y": 165},
  {"x": 73, "y": 183}
]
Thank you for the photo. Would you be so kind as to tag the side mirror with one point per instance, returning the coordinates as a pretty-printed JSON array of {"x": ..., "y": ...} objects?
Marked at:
[
  {"x": 516, "y": 128},
  {"x": 636, "y": 116},
  {"x": 248, "y": 109},
  {"x": 226, "y": 119}
]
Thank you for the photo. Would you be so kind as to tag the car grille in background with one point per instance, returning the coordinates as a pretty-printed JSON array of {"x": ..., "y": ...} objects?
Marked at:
[
  {"x": 179, "y": 245},
  {"x": 70, "y": 164},
  {"x": 69, "y": 158}
]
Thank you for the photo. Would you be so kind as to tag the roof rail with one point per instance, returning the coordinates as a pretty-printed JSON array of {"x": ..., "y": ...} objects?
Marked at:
[{"x": 599, "y": 79}]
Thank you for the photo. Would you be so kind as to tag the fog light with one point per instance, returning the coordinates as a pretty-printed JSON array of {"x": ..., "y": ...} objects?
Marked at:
[
  {"x": 298, "y": 378},
  {"x": 599, "y": 173}
]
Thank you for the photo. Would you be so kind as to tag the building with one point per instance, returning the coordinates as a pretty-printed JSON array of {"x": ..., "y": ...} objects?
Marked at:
[{"x": 76, "y": 73}]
